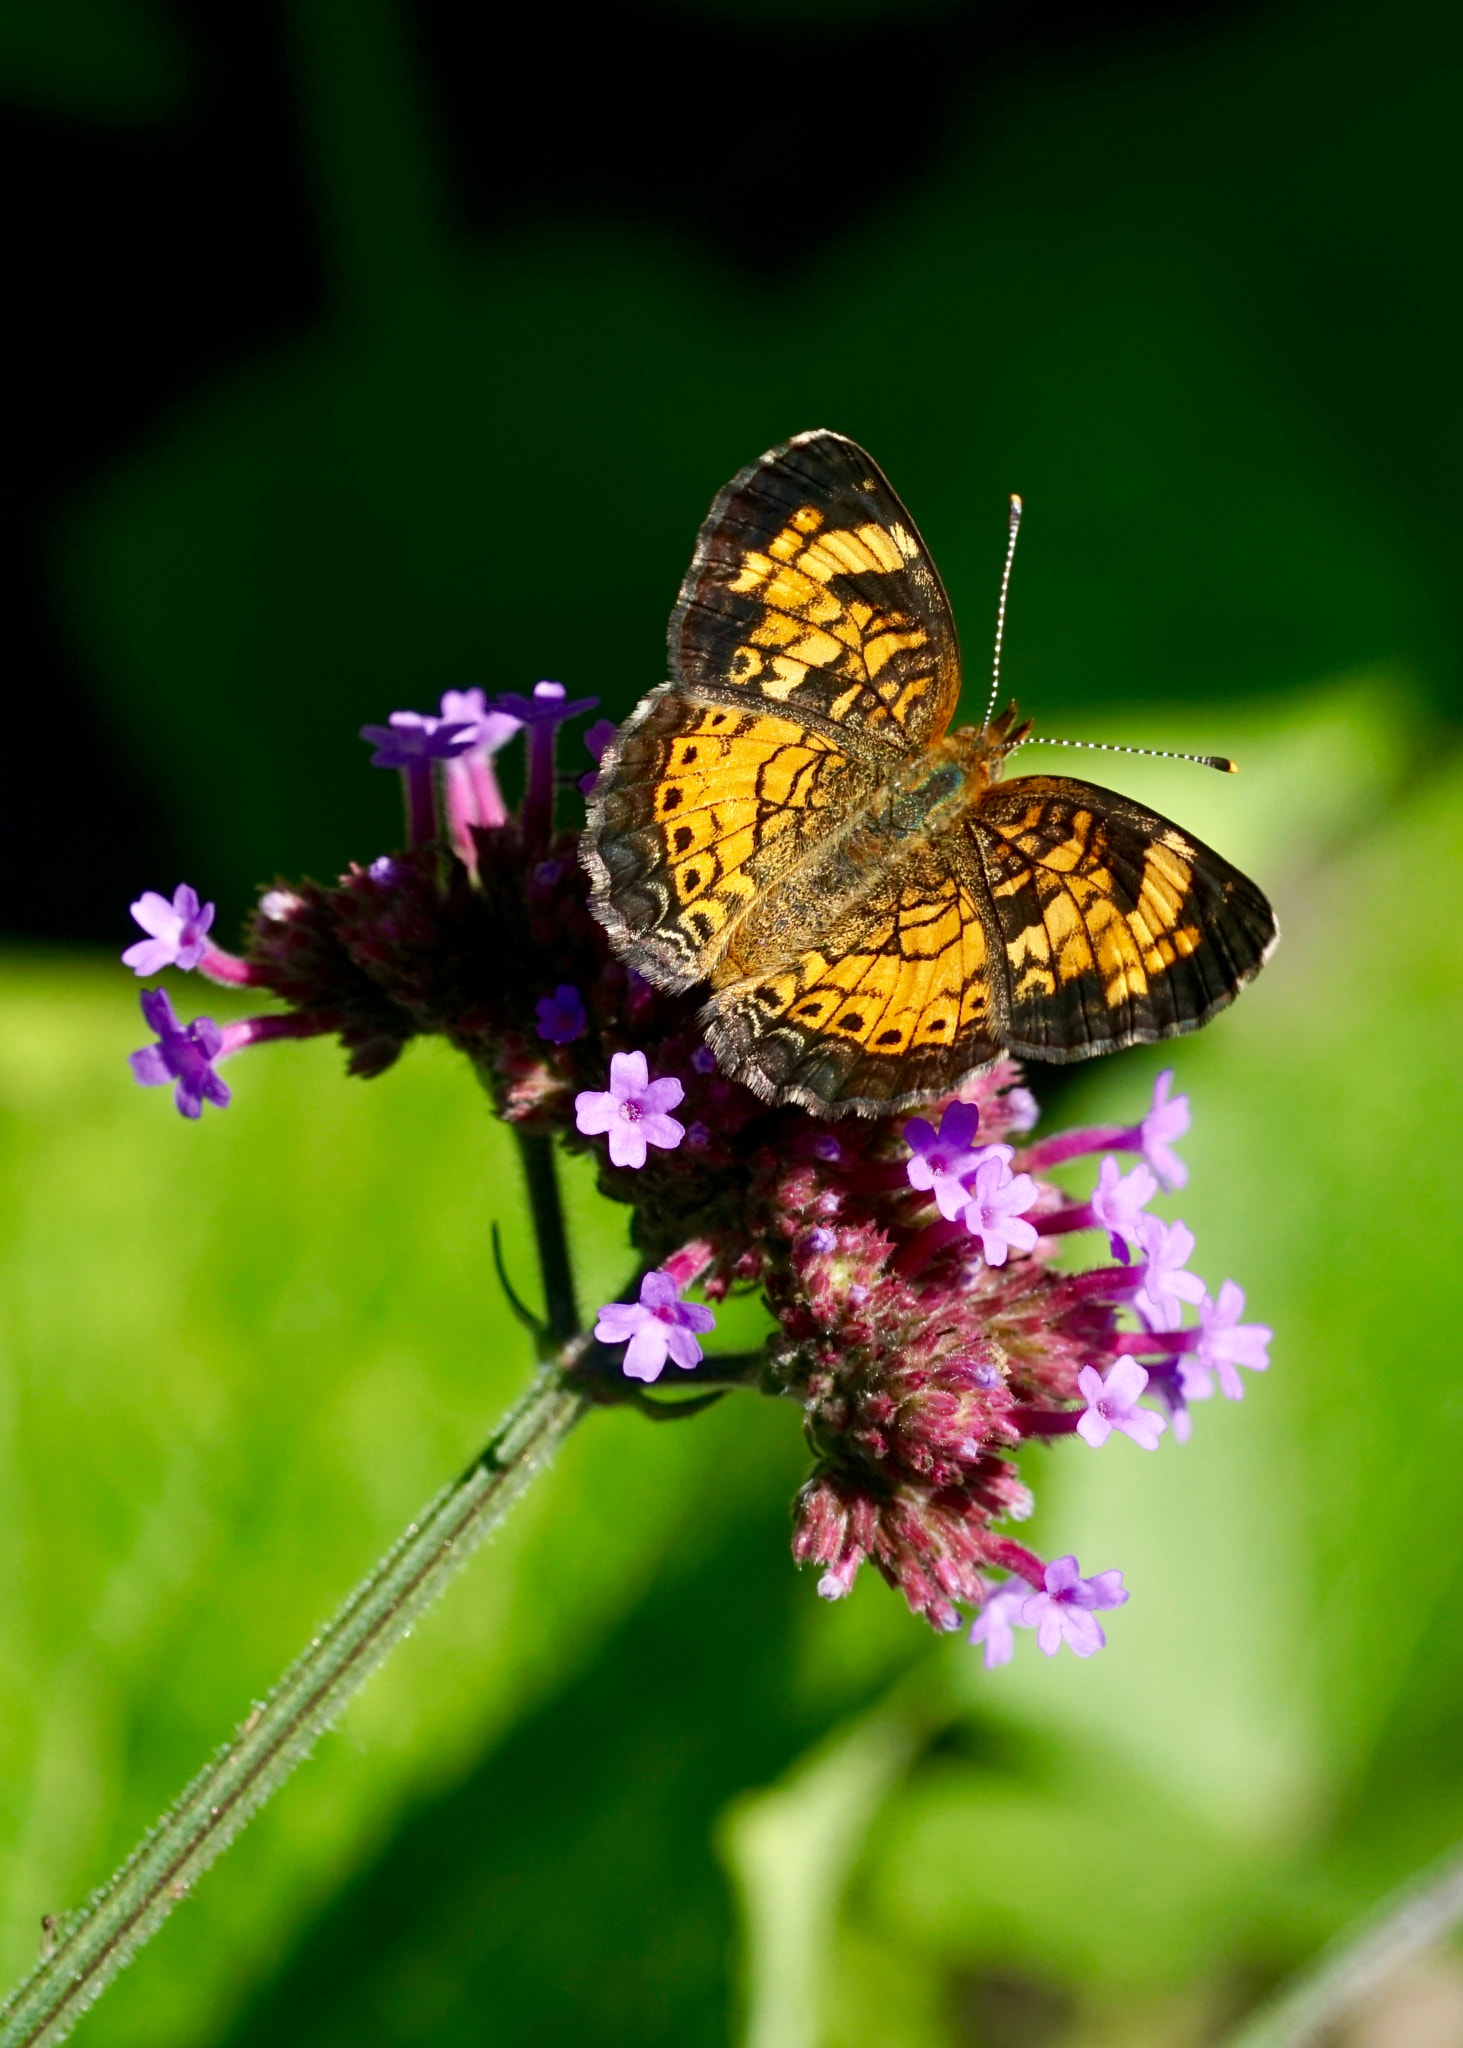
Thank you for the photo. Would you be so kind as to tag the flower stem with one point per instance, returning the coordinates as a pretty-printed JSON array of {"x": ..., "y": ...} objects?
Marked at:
[
  {"x": 96, "y": 1941},
  {"x": 1404, "y": 1927},
  {"x": 541, "y": 1171}
]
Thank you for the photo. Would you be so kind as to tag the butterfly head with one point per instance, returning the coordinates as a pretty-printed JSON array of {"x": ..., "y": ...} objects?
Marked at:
[{"x": 986, "y": 746}]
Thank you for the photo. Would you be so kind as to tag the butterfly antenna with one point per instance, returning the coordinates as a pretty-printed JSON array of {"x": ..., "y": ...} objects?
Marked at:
[
  {"x": 1013, "y": 529},
  {"x": 1220, "y": 761}
]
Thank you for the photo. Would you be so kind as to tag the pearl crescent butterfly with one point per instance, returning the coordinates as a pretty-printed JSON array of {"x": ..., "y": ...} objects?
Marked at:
[{"x": 878, "y": 914}]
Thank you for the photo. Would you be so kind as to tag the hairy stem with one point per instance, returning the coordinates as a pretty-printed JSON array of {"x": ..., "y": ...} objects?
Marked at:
[
  {"x": 1404, "y": 1927},
  {"x": 93, "y": 1943}
]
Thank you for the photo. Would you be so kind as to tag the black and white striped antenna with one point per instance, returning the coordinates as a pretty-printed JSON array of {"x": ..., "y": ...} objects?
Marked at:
[
  {"x": 1014, "y": 527},
  {"x": 1219, "y": 761}
]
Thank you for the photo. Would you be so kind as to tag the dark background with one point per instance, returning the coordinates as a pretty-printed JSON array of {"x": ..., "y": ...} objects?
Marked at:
[{"x": 356, "y": 353}]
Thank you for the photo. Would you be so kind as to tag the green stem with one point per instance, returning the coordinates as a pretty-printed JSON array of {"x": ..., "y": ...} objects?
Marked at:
[
  {"x": 96, "y": 1941},
  {"x": 1404, "y": 1927}
]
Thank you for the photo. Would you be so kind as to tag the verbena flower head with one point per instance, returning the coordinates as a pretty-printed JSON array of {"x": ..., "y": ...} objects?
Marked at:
[
  {"x": 657, "y": 1327},
  {"x": 412, "y": 736},
  {"x": 183, "y": 1054},
  {"x": 921, "y": 1323},
  {"x": 177, "y": 931}
]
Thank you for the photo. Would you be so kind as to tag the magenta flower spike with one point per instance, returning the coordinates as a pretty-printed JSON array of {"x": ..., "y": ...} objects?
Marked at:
[
  {"x": 183, "y": 1054},
  {"x": 470, "y": 786},
  {"x": 997, "y": 1199},
  {"x": 1112, "y": 1403},
  {"x": 940, "y": 1161},
  {"x": 177, "y": 931},
  {"x": 1064, "y": 1612},
  {"x": 657, "y": 1327},
  {"x": 1118, "y": 1202},
  {"x": 561, "y": 1017},
  {"x": 998, "y": 1619},
  {"x": 633, "y": 1111},
  {"x": 1167, "y": 1248}
]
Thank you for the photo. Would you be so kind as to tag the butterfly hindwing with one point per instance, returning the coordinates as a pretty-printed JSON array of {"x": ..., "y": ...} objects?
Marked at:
[
  {"x": 811, "y": 594},
  {"x": 896, "y": 1002},
  {"x": 1116, "y": 928}
]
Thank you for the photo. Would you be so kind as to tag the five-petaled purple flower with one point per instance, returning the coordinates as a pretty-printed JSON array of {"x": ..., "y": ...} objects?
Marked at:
[
  {"x": 178, "y": 931},
  {"x": 561, "y": 1016},
  {"x": 1166, "y": 1286},
  {"x": 1118, "y": 1202},
  {"x": 658, "y": 1326},
  {"x": 1064, "y": 1612},
  {"x": 940, "y": 1162},
  {"x": 184, "y": 1054},
  {"x": 1164, "y": 1122},
  {"x": 633, "y": 1110},
  {"x": 1112, "y": 1403},
  {"x": 1224, "y": 1344},
  {"x": 550, "y": 704},
  {"x": 997, "y": 1198}
]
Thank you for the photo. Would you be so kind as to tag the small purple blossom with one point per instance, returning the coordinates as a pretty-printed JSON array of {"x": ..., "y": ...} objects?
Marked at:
[
  {"x": 411, "y": 737},
  {"x": 941, "y": 1162},
  {"x": 1112, "y": 1403},
  {"x": 1064, "y": 1612},
  {"x": 1118, "y": 1202},
  {"x": 633, "y": 1110},
  {"x": 490, "y": 729},
  {"x": 1167, "y": 1248},
  {"x": 703, "y": 1059},
  {"x": 178, "y": 931},
  {"x": 1022, "y": 1110},
  {"x": 658, "y": 1326},
  {"x": 821, "y": 1239},
  {"x": 997, "y": 1198},
  {"x": 1223, "y": 1344},
  {"x": 698, "y": 1135},
  {"x": 561, "y": 1017},
  {"x": 598, "y": 736},
  {"x": 998, "y": 1618},
  {"x": 549, "y": 705},
  {"x": 1165, "y": 1122},
  {"x": 183, "y": 1054}
]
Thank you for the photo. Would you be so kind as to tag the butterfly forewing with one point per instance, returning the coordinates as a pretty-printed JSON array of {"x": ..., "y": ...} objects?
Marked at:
[{"x": 811, "y": 593}]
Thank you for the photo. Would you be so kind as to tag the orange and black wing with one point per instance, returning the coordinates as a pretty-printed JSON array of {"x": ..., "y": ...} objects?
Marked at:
[
  {"x": 1112, "y": 926},
  {"x": 811, "y": 595}
]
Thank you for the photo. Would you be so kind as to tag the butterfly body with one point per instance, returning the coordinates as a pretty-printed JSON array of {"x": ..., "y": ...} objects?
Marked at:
[{"x": 877, "y": 913}]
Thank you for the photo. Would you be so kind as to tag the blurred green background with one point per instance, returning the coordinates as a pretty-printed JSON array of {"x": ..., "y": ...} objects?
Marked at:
[{"x": 360, "y": 351}]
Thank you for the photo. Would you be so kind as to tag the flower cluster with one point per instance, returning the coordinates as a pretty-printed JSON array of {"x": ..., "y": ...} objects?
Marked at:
[{"x": 924, "y": 1322}]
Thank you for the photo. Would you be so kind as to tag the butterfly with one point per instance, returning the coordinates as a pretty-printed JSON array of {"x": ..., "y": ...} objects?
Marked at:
[{"x": 878, "y": 914}]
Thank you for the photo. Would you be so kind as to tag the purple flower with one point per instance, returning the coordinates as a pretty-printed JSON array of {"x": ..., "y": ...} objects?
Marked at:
[
  {"x": 596, "y": 739},
  {"x": 1164, "y": 1122},
  {"x": 632, "y": 1110},
  {"x": 1022, "y": 1110},
  {"x": 178, "y": 931},
  {"x": 490, "y": 729},
  {"x": 561, "y": 1016},
  {"x": 940, "y": 1162},
  {"x": 410, "y": 737},
  {"x": 1118, "y": 1203},
  {"x": 1224, "y": 1344},
  {"x": 1064, "y": 1612},
  {"x": 821, "y": 1239},
  {"x": 997, "y": 1198},
  {"x": 184, "y": 1054},
  {"x": 1112, "y": 1403},
  {"x": 1166, "y": 1249},
  {"x": 703, "y": 1059},
  {"x": 658, "y": 1326},
  {"x": 997, "y": 1619},
  {"x": 549, "y": 705}
]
